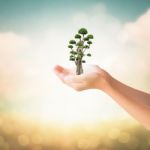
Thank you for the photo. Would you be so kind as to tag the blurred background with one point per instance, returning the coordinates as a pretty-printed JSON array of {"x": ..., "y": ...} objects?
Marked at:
[{"x": 37, "y": 111}]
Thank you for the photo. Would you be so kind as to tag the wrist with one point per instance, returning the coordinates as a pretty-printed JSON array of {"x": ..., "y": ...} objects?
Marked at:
[{"x": 105, "y": 81}]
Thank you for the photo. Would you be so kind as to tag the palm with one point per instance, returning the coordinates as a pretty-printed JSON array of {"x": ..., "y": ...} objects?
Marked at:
[{"x": 88, "y": 80}]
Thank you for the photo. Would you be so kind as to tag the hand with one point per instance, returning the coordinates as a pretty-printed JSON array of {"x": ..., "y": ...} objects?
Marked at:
[
  {"x": 93, "y": 78},
  {"x": 132, "y": 100}
]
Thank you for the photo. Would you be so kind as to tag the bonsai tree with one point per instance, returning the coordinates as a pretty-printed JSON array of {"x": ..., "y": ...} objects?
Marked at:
[{"x": 78, "y": 48}]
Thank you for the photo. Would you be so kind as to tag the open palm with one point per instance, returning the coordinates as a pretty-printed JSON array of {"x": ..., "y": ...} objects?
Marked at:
[{"x": 93, "y": 77}]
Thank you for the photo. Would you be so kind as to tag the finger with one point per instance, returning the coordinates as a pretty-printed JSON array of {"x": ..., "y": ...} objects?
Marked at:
[
  {"x": 59, "y": 69},
  {"x": 61, "y": 72}
]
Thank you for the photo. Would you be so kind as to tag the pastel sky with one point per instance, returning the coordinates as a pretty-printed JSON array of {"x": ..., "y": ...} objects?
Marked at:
[
  {"x": 33, "y": 39},
  {"x": 30, "y": 14}
]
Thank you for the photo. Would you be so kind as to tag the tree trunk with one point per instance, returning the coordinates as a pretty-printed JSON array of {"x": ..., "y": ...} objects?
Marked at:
[{"x": 79, "y": 68}]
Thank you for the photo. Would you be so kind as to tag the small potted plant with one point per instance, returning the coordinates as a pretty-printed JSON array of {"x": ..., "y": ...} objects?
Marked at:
[{"x": 79, "y": 47}]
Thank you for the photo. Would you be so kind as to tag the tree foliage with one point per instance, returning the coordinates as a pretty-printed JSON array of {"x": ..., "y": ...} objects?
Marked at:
[{"x": 79, "y": 47}]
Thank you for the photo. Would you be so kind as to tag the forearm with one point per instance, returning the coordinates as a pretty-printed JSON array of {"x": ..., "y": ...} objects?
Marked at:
[{"x": 133, "y": 101}]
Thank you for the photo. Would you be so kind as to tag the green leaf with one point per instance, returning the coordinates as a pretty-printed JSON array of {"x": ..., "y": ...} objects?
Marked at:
[
  {"x": 70, "y": 46},
  {"x": 72, "y": 59},
  {"x": 80, "y": 43},
  {"x": 83, "y": 61},
  {"x": 77, "y": 36},
  {"x": 72, "y": 42},
  {"x": 90, "y": 36},
  {"x": 83, "y": 31},
  {"x": 86, "y": 39},
  {"x": 86, "y": 46},
  {"x": 89, "y": 55},
  {"x": 89, "y": 42},
  {"x": 73, "y": 52},
  {"x": 71, "y": 56}
]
